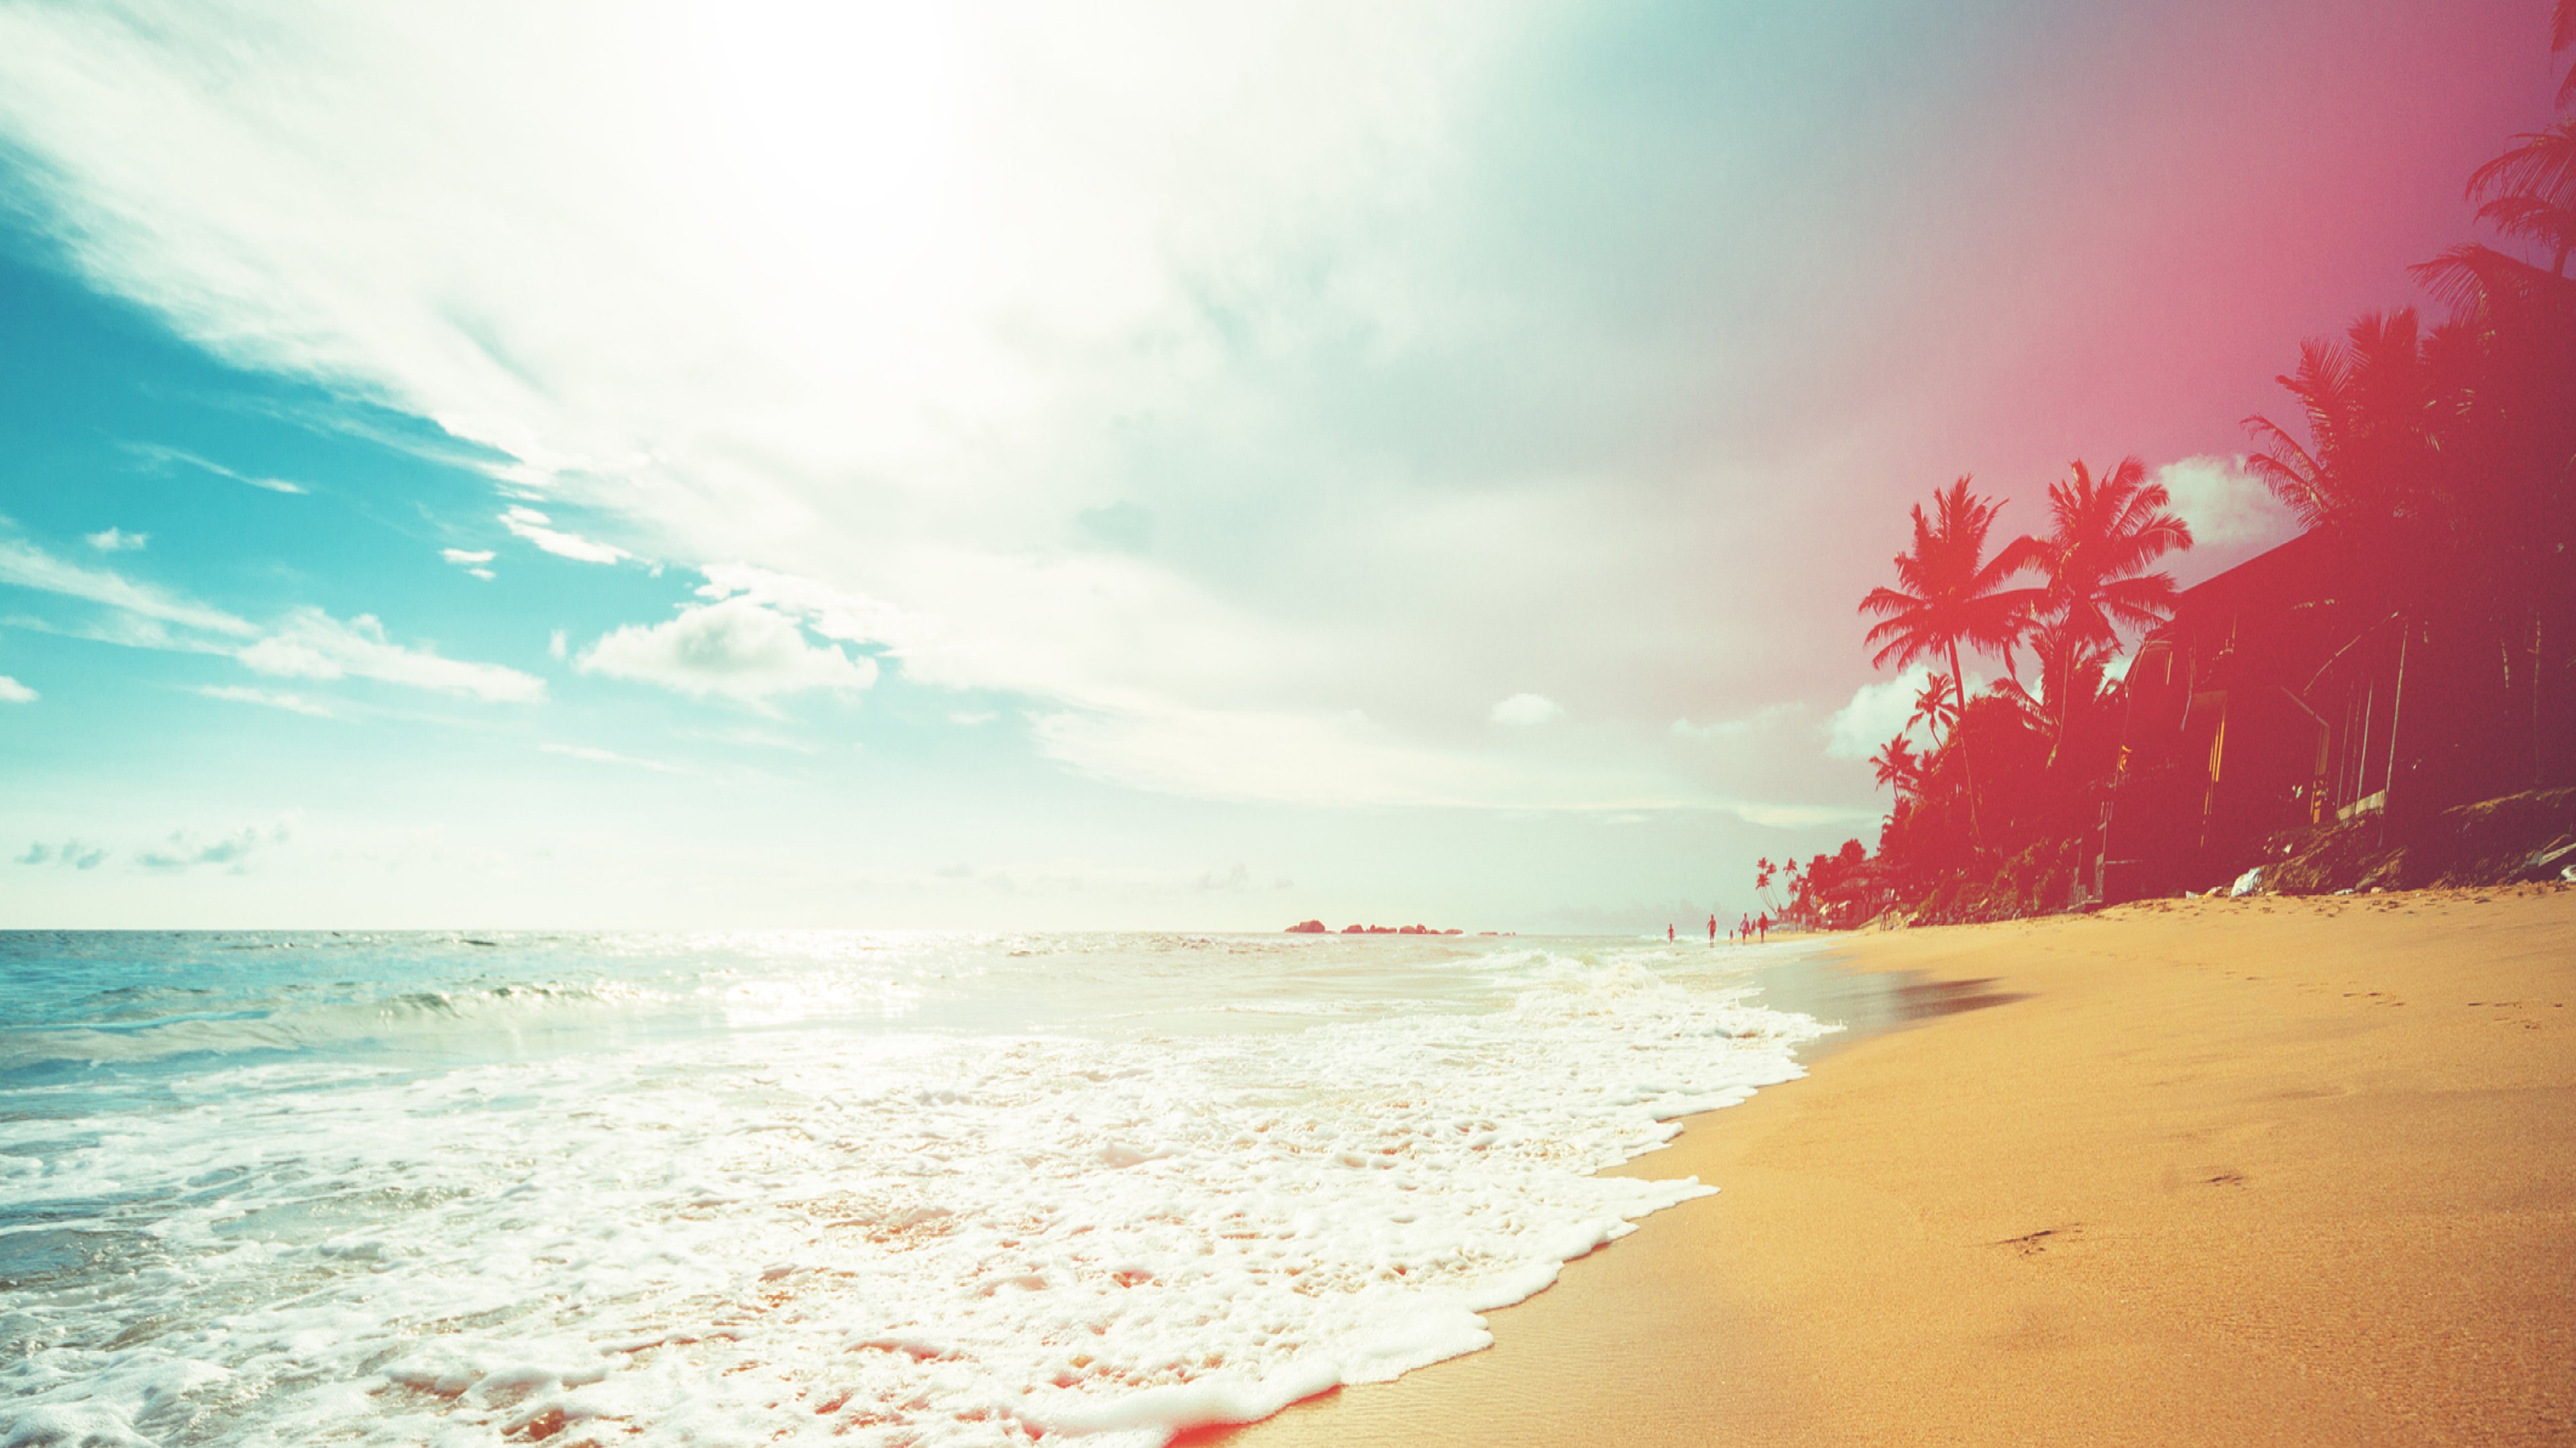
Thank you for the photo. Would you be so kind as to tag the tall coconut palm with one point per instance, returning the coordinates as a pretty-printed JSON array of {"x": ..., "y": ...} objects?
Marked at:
[
  {"x": 2529, "y": 192},
  {"x": 1899, "y": 768},
  {"x": 2371, "y": 404},
  {"x": 2102, "y": 534},
  {"x": 1950, "y": 593}
]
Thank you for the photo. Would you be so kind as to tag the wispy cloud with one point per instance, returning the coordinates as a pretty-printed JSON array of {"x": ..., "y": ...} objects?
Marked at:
[
  {"x": 752, "y": 738},
  {"x": 27, "y": 566},
  {"x": 267, "y": 699},
  {"x": 306, "y": 643},
  {"x": 186, "y": 850},
  {"x": 310, "y": 644},
  {"x": 1226, "y": 198},
  {"x": 609, "y": 756},
  {"x": 1736, "y": 728},
  {"x": 117, "y": 540},
  {"x": 13, "y": 692},
  {"x": 472, "y": 560},
  {"x": 70, "y": 855},
  {"x": 537, "y": 528},
  {"x": 1527, "y": 709},
  {"x": 164, "y": 457}
]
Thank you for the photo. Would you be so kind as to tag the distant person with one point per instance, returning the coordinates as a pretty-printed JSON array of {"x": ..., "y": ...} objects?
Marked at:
[
  {"x": 1762, "y": 926},
  {"x": 1668, "y": 931},
  {"x": 1744, "y": 929},
  {"x": 1712, "y": 928}
]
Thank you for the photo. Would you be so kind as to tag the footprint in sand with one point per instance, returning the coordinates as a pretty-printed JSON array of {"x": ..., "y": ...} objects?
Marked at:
[{"x": 2031, "y": 1244}]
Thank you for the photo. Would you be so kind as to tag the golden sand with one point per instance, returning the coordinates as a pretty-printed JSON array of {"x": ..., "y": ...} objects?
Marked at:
[{"x": 2206, "y": 1172}]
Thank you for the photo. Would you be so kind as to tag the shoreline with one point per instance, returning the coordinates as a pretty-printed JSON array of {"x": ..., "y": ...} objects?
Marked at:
[{"x": 2272, "y": 1170}]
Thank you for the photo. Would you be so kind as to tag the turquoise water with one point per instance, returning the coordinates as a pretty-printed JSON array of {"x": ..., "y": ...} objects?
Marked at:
[{"x": 928, "y": 1188}]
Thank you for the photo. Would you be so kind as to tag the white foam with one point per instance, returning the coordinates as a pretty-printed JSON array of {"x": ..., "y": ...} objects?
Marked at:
[{"x": 861, "y": 1238}]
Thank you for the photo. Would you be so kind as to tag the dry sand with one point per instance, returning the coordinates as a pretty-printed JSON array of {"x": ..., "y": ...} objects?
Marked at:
[{"x": 2207, "y": 1172}]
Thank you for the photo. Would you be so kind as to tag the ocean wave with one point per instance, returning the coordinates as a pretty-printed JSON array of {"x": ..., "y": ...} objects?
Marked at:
[
  {"x": 421, "y": 1018},
  {"x": 955, "y": 1240}
]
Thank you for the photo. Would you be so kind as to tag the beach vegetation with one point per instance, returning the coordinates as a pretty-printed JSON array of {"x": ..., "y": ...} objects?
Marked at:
[{"x": 2431, "y": 465}]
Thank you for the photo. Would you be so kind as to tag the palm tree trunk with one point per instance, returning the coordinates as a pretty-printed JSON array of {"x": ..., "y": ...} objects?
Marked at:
[
  {"x": 2065, "y": 699},
  {"x": 1959, "y": 736}
]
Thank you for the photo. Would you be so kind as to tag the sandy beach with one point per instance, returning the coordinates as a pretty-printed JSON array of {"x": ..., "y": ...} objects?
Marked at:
[{"x": 2260, "y": 1171}]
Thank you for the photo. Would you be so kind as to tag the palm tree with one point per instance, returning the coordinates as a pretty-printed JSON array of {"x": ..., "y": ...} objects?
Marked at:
[
  {"x": 2506, "y": 403},
  {"x": 2070, "y": 672},
  {"x": 1950, "y": 593},
  {"x": 1899, "y": 767},
  {"x": 1936, "y": 708},
  {"x": 2370, "y": 404},
  {"x": 2101, "y": 537},
  {"x": 2529, "y": 192},
  {"x": 2562, "y": 35}
]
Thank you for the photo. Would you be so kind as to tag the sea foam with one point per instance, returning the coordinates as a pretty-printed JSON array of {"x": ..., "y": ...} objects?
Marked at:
[{"x": 942, "y": 1237}]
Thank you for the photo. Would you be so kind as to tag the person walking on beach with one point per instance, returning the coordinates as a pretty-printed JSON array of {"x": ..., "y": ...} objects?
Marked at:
[
  {"x": 1712, "y": 927},
  {"x": 1762, "y": 925},
  {"x": 1668, "y": 930},
  {"x": 1743, "y": 928}
]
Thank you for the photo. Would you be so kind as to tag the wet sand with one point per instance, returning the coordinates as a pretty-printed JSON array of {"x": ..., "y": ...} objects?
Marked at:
[{"x": 2200, "y": 1172}]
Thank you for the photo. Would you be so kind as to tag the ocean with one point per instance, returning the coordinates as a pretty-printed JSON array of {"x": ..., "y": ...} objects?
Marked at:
[{"x": 871, "y": 1188}]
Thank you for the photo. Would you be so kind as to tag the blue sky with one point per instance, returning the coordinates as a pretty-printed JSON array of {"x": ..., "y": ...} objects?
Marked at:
[{"x": 671, "y": 465}]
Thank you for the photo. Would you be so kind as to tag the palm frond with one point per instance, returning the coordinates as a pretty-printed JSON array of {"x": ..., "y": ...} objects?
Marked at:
[{"x": 2541, "y": 164}]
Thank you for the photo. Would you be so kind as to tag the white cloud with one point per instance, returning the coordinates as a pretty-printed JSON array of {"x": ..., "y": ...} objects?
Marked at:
[
  {"x": 13, "y": 692},
  {"x": 307, "y": 643},
  {"x": 534, "y": 526},
  {"x": 668, "y": 317},
  {"x": 311, "y": 644},
  {"x": 1877, "y": 713},
  {"x": 1735, "y": 728},
  {"x": 164, "y": 456},
  {"x": 267, "y": 699},
  {"x": 1140, "y": 258},
  {"x": 187, "y": 850},
  {"x": 2224, "y": 504},
  {"x": 735, "y": 647},
  {"x": 1346, "y": 760},
  {"x": 556, "y": 644},
  {"x": 117, "y": 540},
  {"x": 609, "y": 756},
  {"x": 751, "y": 738},
  {"x": 28, "y": 566},
  {"x": 1295, "y": 759},
  {"x": 831, "y": 612},
  {"x": 1527, "y": 709}
]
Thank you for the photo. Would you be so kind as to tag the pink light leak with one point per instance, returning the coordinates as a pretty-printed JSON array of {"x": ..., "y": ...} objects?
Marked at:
[
  {"x": 2216, "y": 190},
  {"x": 2116, "y": 248}
]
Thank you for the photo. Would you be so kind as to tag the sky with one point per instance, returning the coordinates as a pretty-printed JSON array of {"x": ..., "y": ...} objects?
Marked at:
[{"x": 1009, "y": 467}]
